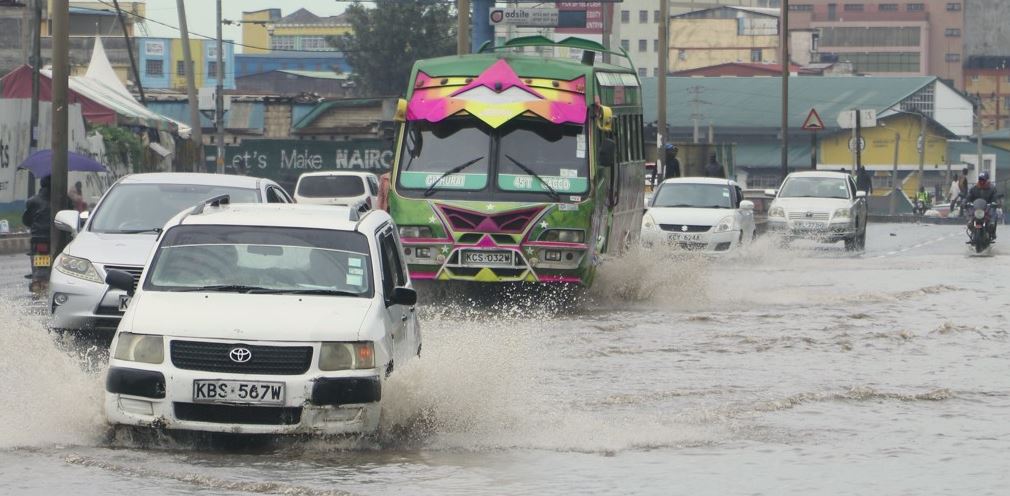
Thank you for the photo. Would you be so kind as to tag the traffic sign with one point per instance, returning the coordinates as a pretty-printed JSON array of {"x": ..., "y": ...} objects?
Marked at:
[
  {"x": 867, "y": 118},
  {"x": 813, "y": 121},
  {"x": 852, "y": 144}
]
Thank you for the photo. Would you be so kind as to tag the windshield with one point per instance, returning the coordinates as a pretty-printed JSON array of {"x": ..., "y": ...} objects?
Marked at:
[
  {"x": 433, "y": 149},
  {"x": 330, "y": 186},
  {"x": 254, "y": 259},
  {"x": 135, "y": 208},
  {"x": 557, "y": 154},
  {"x": 814, "y": 187},
  {"x": 693, "y": 195}
]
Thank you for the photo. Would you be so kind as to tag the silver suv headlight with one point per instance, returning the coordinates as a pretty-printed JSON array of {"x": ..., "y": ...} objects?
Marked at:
[
  {"x": 78, "y": 267},
  {"x": 776, "y": 212},
  {"x": 842, "y": 213},
  {"x": 143, "y": 348},
  {"x": 346, "y": 356}
]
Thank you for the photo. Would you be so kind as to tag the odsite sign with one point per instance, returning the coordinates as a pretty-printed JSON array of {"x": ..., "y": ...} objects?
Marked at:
[{"x": 285, "y": 160}]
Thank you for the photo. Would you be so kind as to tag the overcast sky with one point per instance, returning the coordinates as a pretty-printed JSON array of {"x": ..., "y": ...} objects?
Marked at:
[{"x": 201, "y": 14}]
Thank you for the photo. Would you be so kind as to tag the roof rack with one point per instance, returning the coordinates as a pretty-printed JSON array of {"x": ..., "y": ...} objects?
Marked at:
[
  {"x": 543, "y": 41},
  {"x": 216, "y": 201}
]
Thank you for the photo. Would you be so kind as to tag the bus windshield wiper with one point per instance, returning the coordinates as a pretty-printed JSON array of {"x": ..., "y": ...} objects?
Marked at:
[
  {"x": 554, "y": 194},
  {"x": 431, "y": 189}
]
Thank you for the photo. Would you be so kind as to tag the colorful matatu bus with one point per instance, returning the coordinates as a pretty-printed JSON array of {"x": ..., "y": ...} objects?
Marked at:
[{"x": 514, "y": 167}]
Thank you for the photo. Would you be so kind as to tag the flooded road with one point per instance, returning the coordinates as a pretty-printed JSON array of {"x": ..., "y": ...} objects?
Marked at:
[{"x": 807, "y": 371}]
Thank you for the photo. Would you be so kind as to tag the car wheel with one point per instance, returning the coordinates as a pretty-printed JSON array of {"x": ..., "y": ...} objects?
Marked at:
[{"x": 861, "y": 245}]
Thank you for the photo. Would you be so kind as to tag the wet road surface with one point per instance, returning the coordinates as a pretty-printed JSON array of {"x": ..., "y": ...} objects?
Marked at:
[{"x": 804, "y": 371}]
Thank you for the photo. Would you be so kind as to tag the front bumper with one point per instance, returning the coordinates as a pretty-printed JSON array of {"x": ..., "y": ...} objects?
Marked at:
[
  {"x": 161, "y": 396},
  {"x": 87, "y": 305},
  {"x": 532, "y": 261},
  {"x": 828, "y": 232},
  {"x": 714, "y": 242}
]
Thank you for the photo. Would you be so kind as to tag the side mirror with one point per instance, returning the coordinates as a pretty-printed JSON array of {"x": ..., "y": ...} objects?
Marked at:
[
  {"x": 401, "y": 111},
  {"x": 605, "y": 118},
  {"x": 860, "y": 194},
  {"x": 771, "y": 192},
  {"x": 607, "y": 150},
  {"x": 403, "y": 296},
  {"x": 746, "y": 205},
  {"x": 68, "y": 221},
  {"x": 120, "y": 280}
]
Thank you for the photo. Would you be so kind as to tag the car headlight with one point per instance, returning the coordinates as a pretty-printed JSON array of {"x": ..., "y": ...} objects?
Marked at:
[
  {"x": 415, "y": 232},
  {"x": 776, "y": 212},
  {"x": 842, "y": 213},
  {"x": 346, "y": 356},
  {"x": 649, "y": 223},
  {"x": 143, "y": 348},
  {"x": 725, "y": 224},
  {"x": 80, "y": 268},
  {"x": 564, "y": 235}
]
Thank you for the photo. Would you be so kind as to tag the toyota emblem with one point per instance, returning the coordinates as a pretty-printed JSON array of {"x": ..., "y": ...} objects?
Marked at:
[
  {"x": 240, "y": 355},
  {"x": 683, "y": 228}
]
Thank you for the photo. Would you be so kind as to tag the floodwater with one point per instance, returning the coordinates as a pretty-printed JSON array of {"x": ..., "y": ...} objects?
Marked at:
[{"x": 807, "y": 371}]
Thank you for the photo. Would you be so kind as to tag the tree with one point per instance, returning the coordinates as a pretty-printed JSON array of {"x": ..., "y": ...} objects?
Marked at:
[{"x": 387, "y": 39}]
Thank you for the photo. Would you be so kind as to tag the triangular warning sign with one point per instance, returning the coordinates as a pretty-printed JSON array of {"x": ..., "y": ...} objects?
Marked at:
[{"x": 813, "y": 121}]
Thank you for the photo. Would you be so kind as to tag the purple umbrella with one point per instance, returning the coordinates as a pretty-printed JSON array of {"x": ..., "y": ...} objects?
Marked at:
[{"x": 40, "y": 163}]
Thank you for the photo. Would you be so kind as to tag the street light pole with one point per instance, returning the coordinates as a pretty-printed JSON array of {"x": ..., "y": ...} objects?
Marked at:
[
  {"x": 784, "y": 41},
  {"x": 219, "y": 100},
  {"x": 664, "y": 55},
  {"x": 60, "y": 16}
]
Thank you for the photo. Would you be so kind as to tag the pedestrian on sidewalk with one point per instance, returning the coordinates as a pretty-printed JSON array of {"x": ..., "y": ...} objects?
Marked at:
[{"x": 863, "y": 181}]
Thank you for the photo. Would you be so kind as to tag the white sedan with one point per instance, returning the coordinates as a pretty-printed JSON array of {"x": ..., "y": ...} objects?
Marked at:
[{"x": 698, "y": 213}]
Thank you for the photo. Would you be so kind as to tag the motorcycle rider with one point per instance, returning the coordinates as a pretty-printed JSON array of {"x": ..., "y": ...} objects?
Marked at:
[
  {"x": 922, "y": 200},
  {"x": 36, "y": 216},
  {"x": 984, "y": 190}
]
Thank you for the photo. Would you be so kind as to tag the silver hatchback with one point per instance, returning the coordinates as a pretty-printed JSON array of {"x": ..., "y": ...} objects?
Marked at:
[{"x": 120, "y": 234}]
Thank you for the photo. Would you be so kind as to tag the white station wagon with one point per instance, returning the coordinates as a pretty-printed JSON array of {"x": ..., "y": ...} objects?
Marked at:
[{"x": 268, "y": 319}]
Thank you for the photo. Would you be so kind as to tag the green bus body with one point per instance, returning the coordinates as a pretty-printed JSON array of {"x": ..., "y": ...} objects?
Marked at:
[{"x": 472, "y": 130}]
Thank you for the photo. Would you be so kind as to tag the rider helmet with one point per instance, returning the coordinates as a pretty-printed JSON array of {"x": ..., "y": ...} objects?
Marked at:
[{"x": 983, "y": 177}]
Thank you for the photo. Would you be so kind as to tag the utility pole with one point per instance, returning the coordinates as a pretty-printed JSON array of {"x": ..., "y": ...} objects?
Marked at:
[
  {"x": 60, "y": 16},
  {"x": 480, "y": 21},
  {"x": 462, "y": 27},
  {"x": 194, "y": 106},
  {"x": 921, "y": 145},
  {"x": 664, "y": 55},
  {"x": 36, "y": 65},
  {"x": 784, "y": 41},
  {"x": 857, "y": 142},
  {"x": 608, "y": 26},
  {"x": 894, "y": 174},
  {"x": 219, "y": 96},
  {"x": 978, "y": 137},
  {"x": 129, "y": 51}
]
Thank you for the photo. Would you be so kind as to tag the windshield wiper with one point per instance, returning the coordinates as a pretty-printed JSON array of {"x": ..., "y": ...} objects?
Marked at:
[
  {"x": 431, "y": 189},
  {"x": 324, "y": 292},
  {"x": 155, "y": 230},
  {"x": 236, "y": 288},
  {"x": 554, "y": 194}
]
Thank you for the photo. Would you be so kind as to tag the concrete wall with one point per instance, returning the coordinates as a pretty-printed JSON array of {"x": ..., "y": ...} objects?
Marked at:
[{"x": 986, "y": 27}]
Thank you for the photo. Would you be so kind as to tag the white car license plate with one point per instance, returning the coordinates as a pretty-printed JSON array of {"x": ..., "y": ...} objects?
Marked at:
[
  {"x": 685, "y": 238},
  {"x": 222, "y": 391},
  {"x": 809, "y": 225},
  {"x": 487, "y": 258}
]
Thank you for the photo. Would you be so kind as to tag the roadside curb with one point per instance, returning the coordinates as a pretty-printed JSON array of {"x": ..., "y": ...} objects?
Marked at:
[
  {"x": 14, "y": 243},
  {"x": 911, "y": 219}
]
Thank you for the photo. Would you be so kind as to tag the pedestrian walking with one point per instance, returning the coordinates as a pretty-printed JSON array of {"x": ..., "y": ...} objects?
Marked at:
[
  {"x": 714, "y": 168},
  {"x": 863, "y": 181},
  {"x": 670, "y": 159}
]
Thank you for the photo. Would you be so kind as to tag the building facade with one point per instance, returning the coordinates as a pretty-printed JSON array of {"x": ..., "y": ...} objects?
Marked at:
[
  {"x": 888, "y": 37},
  {"x": 987, "y": 79},
  {"x": 247, "y": 64},
  {"x": 723, "y": 34},
  {"x": 266, "y": 31},
  {"x": 162, "y": 66}
]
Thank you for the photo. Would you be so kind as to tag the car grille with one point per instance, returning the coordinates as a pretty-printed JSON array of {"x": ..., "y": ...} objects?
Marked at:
[
  {"x": 215, "y": 357},
  {"x": 238, "y": 414},
  {"x": 808, "y": 216},
  {"x": 680, "y": 228},
  {"x": 133, "y": 271}
]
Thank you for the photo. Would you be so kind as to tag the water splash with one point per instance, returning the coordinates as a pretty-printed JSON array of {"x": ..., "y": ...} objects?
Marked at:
[{"x": 51, "y": 399}]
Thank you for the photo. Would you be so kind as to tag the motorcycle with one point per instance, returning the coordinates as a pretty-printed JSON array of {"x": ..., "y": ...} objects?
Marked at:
[
  {"x": 41, "y": 265},
  {"x": 980, "y": 225}
]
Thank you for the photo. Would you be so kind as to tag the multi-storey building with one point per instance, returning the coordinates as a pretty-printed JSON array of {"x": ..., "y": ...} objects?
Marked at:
[
  {"x": 987, "y": 79},
  {"x": 161, "y": 63},
  {"x": 266, "y": 31},
  {"x": 723, "y": 34},
  {"x": 888, "y": 37}
]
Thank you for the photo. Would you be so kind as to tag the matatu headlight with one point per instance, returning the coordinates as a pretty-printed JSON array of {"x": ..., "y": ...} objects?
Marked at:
[
  {"x": 346, "y": 356},
  {"x": 143, "y": 348},
  {"x": 415, "y": 232},
  {"x": 564, "y": 235},
  {"x": 78, "y": 267}
]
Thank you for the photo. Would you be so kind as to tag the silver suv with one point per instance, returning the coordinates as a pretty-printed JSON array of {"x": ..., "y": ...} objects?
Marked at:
[{"x": 120, "y": 234}]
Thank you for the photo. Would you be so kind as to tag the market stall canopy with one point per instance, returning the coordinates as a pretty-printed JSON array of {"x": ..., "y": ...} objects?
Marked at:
[{"x": 103, "y": 98}]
